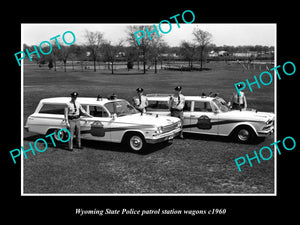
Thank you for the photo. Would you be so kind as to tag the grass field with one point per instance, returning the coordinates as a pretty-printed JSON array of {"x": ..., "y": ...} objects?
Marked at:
[{"x": 197, "y": 164}]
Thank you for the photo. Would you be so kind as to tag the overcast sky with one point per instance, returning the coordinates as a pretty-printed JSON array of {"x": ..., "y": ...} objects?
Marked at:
[{"x": 223, "y": 34}]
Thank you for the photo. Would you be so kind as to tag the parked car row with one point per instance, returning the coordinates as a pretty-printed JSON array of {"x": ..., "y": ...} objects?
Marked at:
[
  {"x": 116, "y": 120},
  {"x": 208, "y": 115}
]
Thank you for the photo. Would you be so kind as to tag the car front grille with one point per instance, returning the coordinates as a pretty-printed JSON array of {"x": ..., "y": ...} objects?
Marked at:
[{"x": 169, "y": 128}]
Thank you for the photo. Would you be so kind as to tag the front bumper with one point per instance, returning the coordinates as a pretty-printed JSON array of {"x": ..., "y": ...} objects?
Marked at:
[
  {"x": 264, "y": 133},
  {"x": 163, "y": 137},
  {"x": 26, "y": 128}
]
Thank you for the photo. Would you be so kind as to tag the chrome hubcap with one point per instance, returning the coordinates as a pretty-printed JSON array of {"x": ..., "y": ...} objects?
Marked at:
[
  {"x": 243, "y": 135},
  {"x": 136, "y": 143},
  {"x": 61, "y": 135}
]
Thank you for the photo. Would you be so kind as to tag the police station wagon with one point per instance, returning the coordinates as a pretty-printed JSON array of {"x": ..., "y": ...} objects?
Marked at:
[
  {"x": 114, "y": 120},
  {"x": 207, "y": 115}
]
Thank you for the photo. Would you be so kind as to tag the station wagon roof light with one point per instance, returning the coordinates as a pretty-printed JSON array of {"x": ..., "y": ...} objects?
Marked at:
[
  {"x": 113, "y": 97},
  {"x": 99, "y": 97}
]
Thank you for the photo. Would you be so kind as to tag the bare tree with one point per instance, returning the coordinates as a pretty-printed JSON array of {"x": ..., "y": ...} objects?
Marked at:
[
  {"x": 148, "y": 48},
  {"x": 72, "y": 56},
  {"x": 110, "y": 52},
  {"x": 64, "y": 52},
  {"x": 78, "y": 52},
  {"x": 55, "y": 53},
  {"x": 59, "y": 52},
  {"x": 202, "y": 38},
  {"x": 94, "y": 42},
  {"x": 155, "y": 50},
  {"x": 188, "y": 51}
]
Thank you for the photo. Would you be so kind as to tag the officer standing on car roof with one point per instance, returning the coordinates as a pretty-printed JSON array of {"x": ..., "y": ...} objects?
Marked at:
[
  {"x": 72, "y": 118},
  {"x": 140, "y": 102},
  {"x": 176, "y": 105},
  {"x": 239, "y": 102}
]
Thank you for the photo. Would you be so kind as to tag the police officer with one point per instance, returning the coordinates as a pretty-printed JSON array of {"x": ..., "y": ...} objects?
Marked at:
[
  {"x": 72, "y": 118},
  {"x": 176, "y": 105},
  {"x": 140, "y": 102},
  {"x": 239, "y": 102}
]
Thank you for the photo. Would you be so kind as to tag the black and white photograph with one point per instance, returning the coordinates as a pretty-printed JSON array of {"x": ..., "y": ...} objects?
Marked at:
[
  {"x": 138, "y": 112},
  {"x": 147, "y": 112}
]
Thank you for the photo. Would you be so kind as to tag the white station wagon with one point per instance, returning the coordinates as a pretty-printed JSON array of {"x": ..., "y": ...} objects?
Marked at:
[
  {"x": 114, "y": 120},
  {"x": 207, "y": 115}
]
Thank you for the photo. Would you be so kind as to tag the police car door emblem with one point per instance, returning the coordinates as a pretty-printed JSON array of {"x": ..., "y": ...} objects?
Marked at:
[
  {"x": 97, "y": 129},
  {"x": 204, "y": 122}
]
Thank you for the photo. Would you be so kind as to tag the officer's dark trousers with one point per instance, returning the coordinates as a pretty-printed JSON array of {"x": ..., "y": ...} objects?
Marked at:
[
  {"x": 178, "y": 114},
  {"x": 75, "y": 127},
  {"x": 237, "y": 106}
]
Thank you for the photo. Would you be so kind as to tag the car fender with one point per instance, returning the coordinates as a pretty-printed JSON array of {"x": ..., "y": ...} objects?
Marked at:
[
  {"x": 126, "y": 132},
  {"x": 53, "y": 128},
  {"x": 243, "y": 124}
]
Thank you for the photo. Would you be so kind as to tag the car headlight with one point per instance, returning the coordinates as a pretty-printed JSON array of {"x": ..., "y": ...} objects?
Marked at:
[
  {"x": 179, "y": 124},
  {"x": 269, "y": 121},
  {"x": 159, "y": 130}
]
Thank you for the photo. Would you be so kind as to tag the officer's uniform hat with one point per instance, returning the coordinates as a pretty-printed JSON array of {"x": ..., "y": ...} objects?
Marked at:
[
  {"x": 139, "y": 90},
  {"x": 74, "y": 94},
  {"x": 178, "y": 88}
]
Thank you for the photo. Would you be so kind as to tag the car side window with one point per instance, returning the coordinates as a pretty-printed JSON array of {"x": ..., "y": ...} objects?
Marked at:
[
  {"x": 157, "y": 106},
  {"x": 202, "y": 106},
  {"x": 98, "y": 111},
  {"x": 84, "y": 107},
  {"x": 187, "y": 106},
  {"x": 58, "y": 109}
]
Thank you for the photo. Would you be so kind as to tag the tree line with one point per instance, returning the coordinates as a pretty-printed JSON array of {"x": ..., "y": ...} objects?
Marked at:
[{"x": 96, "y": 48}]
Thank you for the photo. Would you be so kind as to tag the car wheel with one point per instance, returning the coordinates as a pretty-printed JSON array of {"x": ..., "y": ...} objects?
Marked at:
[
  {"x": 244, "y": 134},
  {"x": 63, "y": 135},
  {"x": 135, "y": 142}
]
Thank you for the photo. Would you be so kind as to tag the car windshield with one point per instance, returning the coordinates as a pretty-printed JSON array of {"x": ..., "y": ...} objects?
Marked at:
[
  {"x": 221, "y": 106},
  {"x": 121, "y": 108}
]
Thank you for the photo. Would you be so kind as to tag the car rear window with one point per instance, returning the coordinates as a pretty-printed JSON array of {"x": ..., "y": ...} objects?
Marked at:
[{"x": 53, "y": 109}]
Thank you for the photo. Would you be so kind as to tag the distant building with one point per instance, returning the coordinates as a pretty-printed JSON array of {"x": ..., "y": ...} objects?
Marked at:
[
  {"x": 212, "y": 54},
  {"x": 174, "y": 55},
  {"x": 223, "y": 53},
  {"x": 219, "y": 53},
  {"x": 120, "y": 54},
  {"x": 245, "y": 54}
]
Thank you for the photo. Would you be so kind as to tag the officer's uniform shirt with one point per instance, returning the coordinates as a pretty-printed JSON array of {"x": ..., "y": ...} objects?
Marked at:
[
  {"x": 140, "y": 102},
  {"x": 74, "y": 108},
  {"x": 238, "y": 99},
  {"x": 177, "y": 102}
]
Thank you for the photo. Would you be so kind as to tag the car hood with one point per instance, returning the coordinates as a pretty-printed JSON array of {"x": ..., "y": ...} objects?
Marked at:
[
  {"x": 147, "y": 119},
  {"x": 251, "y": 115}
]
